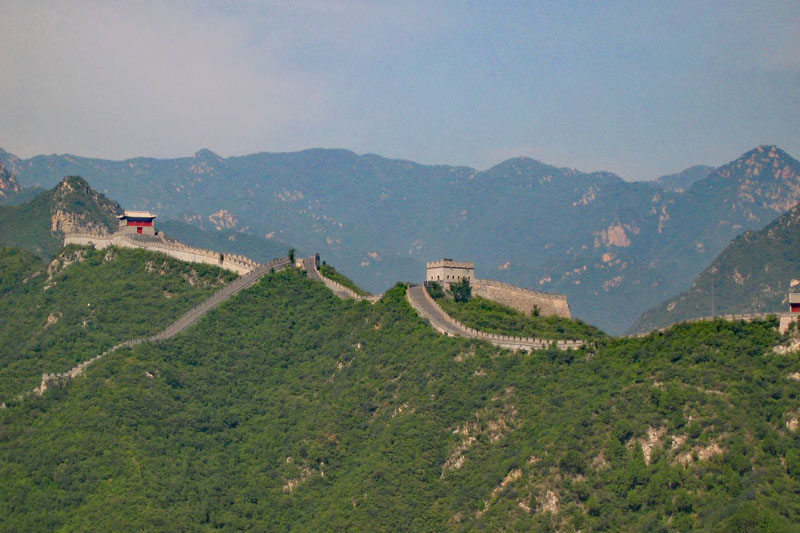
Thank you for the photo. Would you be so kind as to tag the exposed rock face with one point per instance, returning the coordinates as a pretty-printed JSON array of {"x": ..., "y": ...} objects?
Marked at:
[
  {"x": 78, "y": 207},
  {"x": 8, "y": 183},
  {"x": 223, "y": 219}
]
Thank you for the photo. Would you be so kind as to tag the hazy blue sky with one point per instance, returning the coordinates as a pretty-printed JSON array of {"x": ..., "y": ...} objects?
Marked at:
[{"x": 639, "y": 88}]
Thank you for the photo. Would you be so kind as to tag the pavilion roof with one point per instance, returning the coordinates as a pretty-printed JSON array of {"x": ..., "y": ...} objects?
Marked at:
[{"x": 136, "y": 214}]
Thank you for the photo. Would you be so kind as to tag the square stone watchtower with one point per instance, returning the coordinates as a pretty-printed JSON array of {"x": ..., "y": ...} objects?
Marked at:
[{"x": 447, "y": 271}]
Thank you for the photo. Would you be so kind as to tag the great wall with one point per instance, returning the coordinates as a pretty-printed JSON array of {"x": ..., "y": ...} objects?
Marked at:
[
  {"x": 426, "y": 306},
  {"x": 785, "y": 320},
  {"x": 447, "y": 271},
  {"x": 187, "y": 319},
  {"x": 345, "y": 293},
  {"x": 418, "y": 297},
  {"x": 158, "y": 243}
]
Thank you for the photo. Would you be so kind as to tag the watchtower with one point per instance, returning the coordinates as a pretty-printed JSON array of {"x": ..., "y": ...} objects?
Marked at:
[
  {"x": 447, "y": 271},
  {"x": 137, "y": 222}
]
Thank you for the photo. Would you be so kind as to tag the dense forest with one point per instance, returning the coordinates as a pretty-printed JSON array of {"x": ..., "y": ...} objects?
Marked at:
[
  {"x": 289, "y": 409},
  {"x": 53, "y": 316}
]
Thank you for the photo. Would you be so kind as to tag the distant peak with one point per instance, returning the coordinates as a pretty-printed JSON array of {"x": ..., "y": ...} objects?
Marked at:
[
  {"x": 765, "y": 151},
  {"x": 73, "y": 182},
  {"x": 205, "y": 153}
]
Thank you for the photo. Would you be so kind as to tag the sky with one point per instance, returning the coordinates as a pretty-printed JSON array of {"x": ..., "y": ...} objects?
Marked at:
[{"x": 636, "y": 88}]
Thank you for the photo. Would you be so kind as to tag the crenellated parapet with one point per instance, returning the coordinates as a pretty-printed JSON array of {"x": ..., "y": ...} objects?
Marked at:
[
  {"x": 235, "y": 262},
  {"x": 444, "y": 323},
  {"x": 345, "y": 293}
]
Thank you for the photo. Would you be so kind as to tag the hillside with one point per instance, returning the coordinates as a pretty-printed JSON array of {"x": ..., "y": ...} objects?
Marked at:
[
  {"x": 287, "y": 408},
  {"x": 614, "y": 247},
  {"x": 39, "y": 224},
  {"x": 56, "y": 315},
  {"x": 751, "y": 275}
]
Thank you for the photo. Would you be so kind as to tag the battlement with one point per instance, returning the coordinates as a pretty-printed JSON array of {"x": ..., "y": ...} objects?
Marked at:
[
  {"x": 450, "y": 264},
  {"x": 235, "y": 262},
  {"x": 447, "y": 271}
]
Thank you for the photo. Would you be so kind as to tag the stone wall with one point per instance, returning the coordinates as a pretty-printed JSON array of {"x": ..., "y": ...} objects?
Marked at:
[
  {"x": 180, "y": 325},
  {"x": 523, "y": 300},
  {"x": 237, "y": 263},
  {"x": 504, "y": 341}
]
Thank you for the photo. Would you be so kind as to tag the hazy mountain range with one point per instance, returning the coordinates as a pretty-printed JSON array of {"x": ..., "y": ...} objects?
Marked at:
[
  {"x": 752, "y": 275},
  {"x": 614, "y": 247}
]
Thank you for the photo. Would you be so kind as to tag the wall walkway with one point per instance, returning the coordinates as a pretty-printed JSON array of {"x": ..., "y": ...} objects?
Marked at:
[
  {"x": 184, "y": 322},
  {"x": 345, "y": 293},
  {"x": 785, "y": 320},
  {"x": 235, "y": 262},
  {"x": 427, "y": 307}
]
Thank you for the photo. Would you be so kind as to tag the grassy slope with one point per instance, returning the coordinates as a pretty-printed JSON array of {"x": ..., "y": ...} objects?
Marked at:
[
  {"x": 360, "y": 410},
  {"x": 93, "y": 300},
  {"x": 492, "y": 317}
]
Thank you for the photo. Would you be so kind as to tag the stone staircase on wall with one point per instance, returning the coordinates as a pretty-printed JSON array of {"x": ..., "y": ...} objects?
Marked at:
[{"x": 345, "y": 293}]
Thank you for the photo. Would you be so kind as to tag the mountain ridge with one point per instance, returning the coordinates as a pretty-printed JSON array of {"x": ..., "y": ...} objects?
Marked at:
[
  {"x": 614, "y": 247},
  {"x": 72, "y": 205}
]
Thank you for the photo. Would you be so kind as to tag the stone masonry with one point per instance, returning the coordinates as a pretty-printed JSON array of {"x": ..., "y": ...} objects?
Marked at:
[{"x": 447, "y": 271}]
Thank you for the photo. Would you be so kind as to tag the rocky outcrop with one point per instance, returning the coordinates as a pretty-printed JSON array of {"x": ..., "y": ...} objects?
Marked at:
[
  {"x": 8, "y": 183},
  {"x": 77, "y": 207}
]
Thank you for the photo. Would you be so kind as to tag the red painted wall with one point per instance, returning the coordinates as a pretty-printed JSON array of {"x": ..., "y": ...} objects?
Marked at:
[{"x": 140, "y": 223}]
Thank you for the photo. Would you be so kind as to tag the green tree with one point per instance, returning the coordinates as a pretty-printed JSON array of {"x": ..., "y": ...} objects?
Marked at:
[
  {"x": 435, "y": 289},
  {"x": 461, "y": 290}
]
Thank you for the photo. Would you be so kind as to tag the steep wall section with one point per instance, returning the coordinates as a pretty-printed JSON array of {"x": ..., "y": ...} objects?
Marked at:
[
  {"x": 237, "y": 263},
  {"x": 345, "y": 293},
  {"x": 523, "y": 300}
]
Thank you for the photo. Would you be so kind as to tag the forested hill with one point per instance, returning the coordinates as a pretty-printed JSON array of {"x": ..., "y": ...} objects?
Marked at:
[
  {"x": 56, "y": 315},
  {"x": 39, "y": 224},
  {"x": 289, "y": 409},
  {"x": 752, "y": 275},
  {"x": 614, "y": 247}
]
